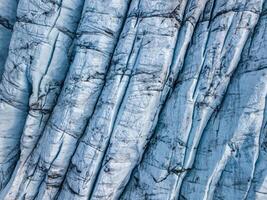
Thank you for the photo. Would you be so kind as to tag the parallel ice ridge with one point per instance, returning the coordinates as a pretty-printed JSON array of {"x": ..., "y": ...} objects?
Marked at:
[{"x": 133, "y": 99}]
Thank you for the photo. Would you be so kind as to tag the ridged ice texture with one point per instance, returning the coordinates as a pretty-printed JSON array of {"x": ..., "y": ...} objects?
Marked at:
[
  {"x": 133, "y": 99},
  {"x": 34, "y": 71}
]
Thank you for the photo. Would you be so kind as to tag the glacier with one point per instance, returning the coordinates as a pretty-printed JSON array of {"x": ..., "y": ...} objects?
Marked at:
[{"x": 133, "y": 99}]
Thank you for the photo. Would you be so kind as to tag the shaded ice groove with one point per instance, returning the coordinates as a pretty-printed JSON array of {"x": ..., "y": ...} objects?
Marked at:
[{"x": 8, "y": 10}]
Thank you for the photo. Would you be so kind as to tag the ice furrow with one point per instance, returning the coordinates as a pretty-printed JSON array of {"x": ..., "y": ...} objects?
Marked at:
[
  {"x": 34, "y": 71},
  {"x": 228, "y": 151},
  {"x": 192, "y": 105},
  {"x": 141, "y": 103},
  {"x": 97, "y": 37}
]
